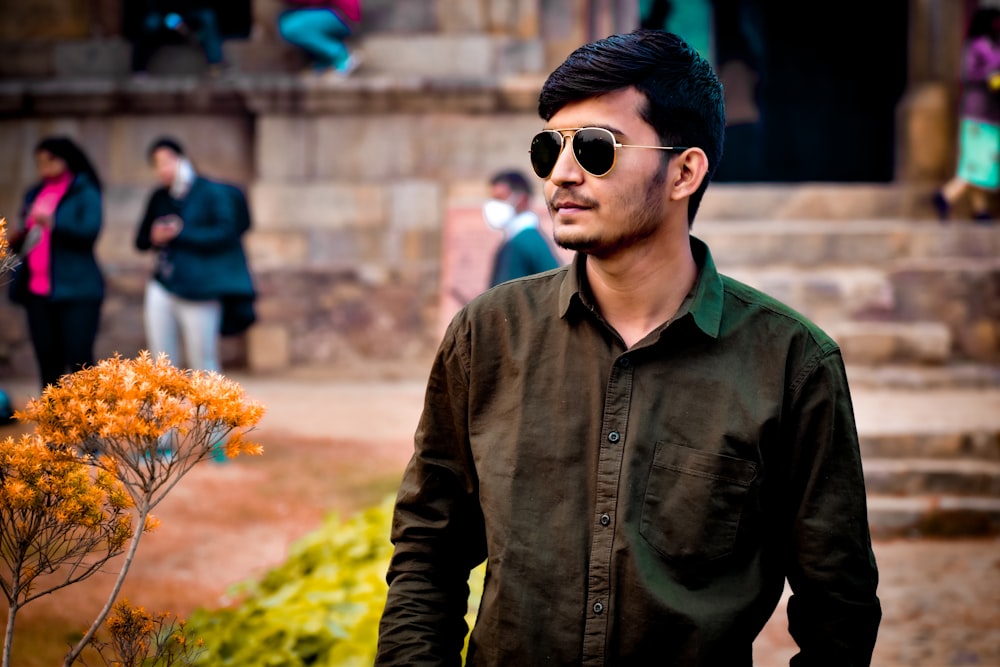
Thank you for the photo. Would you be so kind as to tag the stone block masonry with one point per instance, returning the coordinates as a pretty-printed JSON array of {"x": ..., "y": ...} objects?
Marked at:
[{"x": 348, "y": 205}]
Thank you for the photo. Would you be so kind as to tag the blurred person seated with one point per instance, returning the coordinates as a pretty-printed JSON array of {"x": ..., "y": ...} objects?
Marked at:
[
  {"x": 153, "y": 24},
  {"x": 319, "y": 28}
]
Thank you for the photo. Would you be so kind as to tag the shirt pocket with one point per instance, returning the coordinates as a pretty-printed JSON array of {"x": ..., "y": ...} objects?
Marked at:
[{"x": 693, "y": 502}]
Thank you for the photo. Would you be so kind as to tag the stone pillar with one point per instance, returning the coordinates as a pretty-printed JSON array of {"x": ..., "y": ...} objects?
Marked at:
[{"x": 926, "y": 118}]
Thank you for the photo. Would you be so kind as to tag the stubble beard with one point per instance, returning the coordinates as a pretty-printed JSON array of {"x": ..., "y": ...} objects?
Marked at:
[{"x": 642, "y": 224}]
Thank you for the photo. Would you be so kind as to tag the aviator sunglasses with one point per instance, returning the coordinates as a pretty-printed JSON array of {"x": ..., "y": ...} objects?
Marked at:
[{"x": 594, "y": 148}]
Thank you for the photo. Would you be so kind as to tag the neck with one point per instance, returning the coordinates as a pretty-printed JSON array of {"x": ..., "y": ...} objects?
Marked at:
[
  {"x": 520, "y": 222},
  {"x": 638, "y": 291}
]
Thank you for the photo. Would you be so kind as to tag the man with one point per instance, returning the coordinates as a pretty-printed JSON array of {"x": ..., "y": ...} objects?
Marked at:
[
  {"x": 523, "y": 250},
  {"x": 640, "y": 448},
  {"x": 201, "y": 286}
]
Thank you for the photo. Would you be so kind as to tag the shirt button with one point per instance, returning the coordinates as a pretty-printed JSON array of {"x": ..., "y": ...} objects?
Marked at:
[
  {"x": 598, "y": 607},
  {"x": 605, "y": 519},
  {"x": 614, "y": 436},
  {"x": 625, "y": 363}
]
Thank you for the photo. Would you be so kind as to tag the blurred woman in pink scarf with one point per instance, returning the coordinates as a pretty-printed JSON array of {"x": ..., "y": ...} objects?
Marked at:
[{"x": 58, "y": 280}]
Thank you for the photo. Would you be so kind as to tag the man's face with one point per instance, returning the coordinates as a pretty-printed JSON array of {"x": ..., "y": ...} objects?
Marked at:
[
  {"x": 165, "y": 164},
  {"x": 503, "y": 192},
  {"x": 603, "y": 215}
]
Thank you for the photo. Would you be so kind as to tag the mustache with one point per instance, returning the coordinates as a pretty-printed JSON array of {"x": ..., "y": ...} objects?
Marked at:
[{"x": 565, "y": 194}]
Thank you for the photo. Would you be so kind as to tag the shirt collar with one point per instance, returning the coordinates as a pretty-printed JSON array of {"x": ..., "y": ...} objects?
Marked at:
[{"x": 703, "y": 305}]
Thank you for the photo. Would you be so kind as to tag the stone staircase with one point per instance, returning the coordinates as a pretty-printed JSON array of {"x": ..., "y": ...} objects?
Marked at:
[{"x": 915, "y": 306}]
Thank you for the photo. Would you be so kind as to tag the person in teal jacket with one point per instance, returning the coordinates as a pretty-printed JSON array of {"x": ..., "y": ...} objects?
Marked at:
[
  {"x": 524, "y": 250},
  {"x": 201, "y": 286},
  {"x": 58, "y": 280}
]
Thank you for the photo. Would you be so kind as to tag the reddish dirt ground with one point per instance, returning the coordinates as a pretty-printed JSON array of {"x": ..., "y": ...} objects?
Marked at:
[{"x": 228, "y": 522}]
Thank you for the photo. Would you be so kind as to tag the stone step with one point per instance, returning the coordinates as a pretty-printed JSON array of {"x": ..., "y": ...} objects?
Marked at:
[
  {"x": 825, "y": 293},
  {"x": 913, "y": 477},
  {"x": 817, "y": 241},
  {"x": 891, "y": 342},
  {"x": 921, "y": 377},
  {"x": 932, "y": 515},
  {"x": 979, "y": 446},
  {"x": 476, "y": 55}
]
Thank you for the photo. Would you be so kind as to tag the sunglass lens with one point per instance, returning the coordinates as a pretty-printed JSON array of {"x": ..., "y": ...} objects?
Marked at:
[
  {"x": 595, "y": 150},
  {"x": 545, "y": 148}
]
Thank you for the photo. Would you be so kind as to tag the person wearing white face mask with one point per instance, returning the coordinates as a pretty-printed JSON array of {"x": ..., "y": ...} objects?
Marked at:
[{"x": 524, "y": 250}]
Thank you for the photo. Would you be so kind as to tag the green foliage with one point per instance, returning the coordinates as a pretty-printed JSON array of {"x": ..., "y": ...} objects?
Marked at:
[{"x": 320, "y": 608}]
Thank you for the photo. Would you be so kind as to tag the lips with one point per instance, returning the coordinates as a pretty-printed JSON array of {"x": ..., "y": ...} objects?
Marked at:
[{"x": 568, "y": 205}]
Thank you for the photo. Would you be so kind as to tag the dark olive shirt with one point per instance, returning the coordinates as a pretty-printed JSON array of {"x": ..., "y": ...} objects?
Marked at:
[{"x": 635, "y": 506}]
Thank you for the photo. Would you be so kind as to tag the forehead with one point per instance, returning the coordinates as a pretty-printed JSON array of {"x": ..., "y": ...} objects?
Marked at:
[
  {"x": 500, "y": 186},
  {"x": 163, "y": 156},
  {"x": 618, "y": 111}
]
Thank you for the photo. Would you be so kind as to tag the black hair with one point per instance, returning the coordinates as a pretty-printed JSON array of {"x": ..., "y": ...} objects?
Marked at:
[
  {"x": 169, "y": 143},
  {"x": 69, "y": 152},
  {"x": 684, "y": 102},
  {"x": 514, "y": 179}
]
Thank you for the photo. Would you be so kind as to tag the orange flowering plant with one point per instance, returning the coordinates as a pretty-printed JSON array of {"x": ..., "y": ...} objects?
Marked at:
[
  {"x": 138, "y": 638},
  {"x": 56, "y": 516},
  {"x": 7, "y": 260},
  {"x": 143, "y": 423}
]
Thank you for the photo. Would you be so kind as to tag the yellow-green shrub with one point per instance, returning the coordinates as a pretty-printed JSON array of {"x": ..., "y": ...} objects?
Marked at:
[{"x": 319, "y": 608}]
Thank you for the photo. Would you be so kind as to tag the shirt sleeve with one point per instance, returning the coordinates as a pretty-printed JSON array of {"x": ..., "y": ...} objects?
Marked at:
[
  {"x": 834, "y": 613},
  {"x": 437, "y": 527}
]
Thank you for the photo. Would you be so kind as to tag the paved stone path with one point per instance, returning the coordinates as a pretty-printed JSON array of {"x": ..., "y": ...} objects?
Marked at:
[{"x": 941, "y": 598}]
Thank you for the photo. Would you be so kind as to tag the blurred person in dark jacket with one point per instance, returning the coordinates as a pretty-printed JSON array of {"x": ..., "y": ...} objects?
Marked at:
[
  {"x": 201, "y": 286},
  {"x": 58, "y": 281}
]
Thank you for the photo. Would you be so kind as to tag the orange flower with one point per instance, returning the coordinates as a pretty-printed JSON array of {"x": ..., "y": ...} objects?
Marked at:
[
  {"x": 7, "y": 261},
  {"x": 110, "y": 442}
]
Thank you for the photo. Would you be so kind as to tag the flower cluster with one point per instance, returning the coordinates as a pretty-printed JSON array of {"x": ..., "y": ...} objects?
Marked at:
[
  {"x": 138, "y": 638},
  {"x": 145, "y": 420},
  {"x": 55, "y": 514},
  {"x": 110, "y": 442},
  {"x": 7, "y": 261}
]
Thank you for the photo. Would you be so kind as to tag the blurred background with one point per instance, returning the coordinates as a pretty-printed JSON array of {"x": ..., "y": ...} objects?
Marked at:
[
  {"x": 365, "y": 193},
  {"x": 361, "y": 189},
  {"x": 365, "y": 190}
]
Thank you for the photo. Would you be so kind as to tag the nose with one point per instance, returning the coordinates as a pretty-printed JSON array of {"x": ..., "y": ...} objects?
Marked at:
[{"x": 567, "y": 169}]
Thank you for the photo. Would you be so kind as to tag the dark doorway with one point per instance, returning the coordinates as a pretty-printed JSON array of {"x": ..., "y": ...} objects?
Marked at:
[{"x": 820, "y": 84}]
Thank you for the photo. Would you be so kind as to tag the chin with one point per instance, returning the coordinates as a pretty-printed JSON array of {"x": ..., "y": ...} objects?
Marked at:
[{"x": 575, "y": 242}]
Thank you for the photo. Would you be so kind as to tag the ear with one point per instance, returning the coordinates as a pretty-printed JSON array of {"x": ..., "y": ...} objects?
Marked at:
[{"x": 687, "y": 171}]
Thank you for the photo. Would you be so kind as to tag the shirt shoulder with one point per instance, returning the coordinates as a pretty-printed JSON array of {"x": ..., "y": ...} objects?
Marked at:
[
  {"x": 780, "y": 318},
  {"x": 527, "y": 301}
]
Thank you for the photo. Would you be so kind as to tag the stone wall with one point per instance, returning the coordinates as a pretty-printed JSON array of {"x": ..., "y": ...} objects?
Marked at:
[
  {"x": 349, "y": 186},
  {"x": 355, "y": 186}
]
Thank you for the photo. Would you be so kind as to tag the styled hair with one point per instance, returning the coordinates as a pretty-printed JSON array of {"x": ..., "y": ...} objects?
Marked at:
[
  {"x": 684, "y": 102},
  {"x": 69, "y": 152},
  {"x": 513, "y": 179},
  {"x": 169, "y": 143}
]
